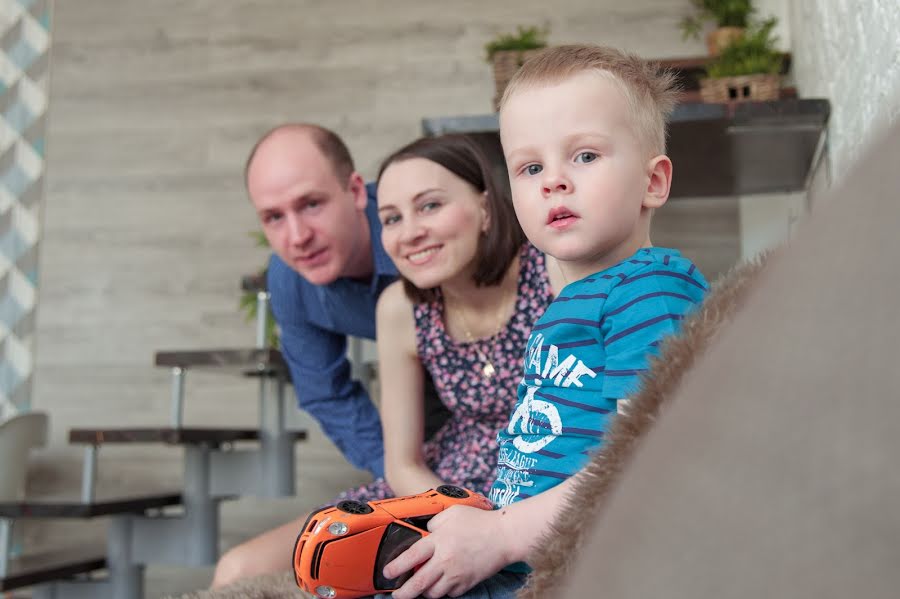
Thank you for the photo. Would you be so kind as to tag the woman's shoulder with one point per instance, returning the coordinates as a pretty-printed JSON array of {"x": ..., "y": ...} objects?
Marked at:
[
  {"x": 394, "y": 319},
  {"x": 536, "y": 273},
  {"x": 393, "y": 305}
]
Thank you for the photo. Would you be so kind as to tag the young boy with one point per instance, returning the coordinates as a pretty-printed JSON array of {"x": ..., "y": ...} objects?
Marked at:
[{"x": 583, "y": 130}]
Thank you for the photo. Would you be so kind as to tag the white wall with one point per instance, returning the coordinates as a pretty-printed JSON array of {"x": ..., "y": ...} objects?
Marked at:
[{"x": 849, "y": 52}]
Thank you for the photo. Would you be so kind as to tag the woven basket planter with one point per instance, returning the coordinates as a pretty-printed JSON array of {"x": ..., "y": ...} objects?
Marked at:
[
  {"x": 745, "y": 88},
  {"x": 506, "y": 63}
]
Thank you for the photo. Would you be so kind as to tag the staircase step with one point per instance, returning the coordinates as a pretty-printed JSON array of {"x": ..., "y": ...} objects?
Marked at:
[
  {"x": 266, "y": 362},
  {"x": 168, "y": 435},
  {"x": 59, "y": 564},
  {"x": 74, "y": 508}
]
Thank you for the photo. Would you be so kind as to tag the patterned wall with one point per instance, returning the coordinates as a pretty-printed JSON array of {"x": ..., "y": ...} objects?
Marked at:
[{"x": 24, "y": 59}]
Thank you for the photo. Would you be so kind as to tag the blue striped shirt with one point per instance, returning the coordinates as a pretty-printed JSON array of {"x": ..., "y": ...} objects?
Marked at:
[{"x": 584, "y": 356}]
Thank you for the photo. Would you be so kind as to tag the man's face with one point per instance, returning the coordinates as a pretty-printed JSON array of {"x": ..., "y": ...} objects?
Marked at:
[
  {"x": 577, "y": 171},
  {"x": 313, "y": 222}
]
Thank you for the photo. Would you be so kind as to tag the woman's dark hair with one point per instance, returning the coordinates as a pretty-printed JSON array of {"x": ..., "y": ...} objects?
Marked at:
[{"x": 478, "y": 160}]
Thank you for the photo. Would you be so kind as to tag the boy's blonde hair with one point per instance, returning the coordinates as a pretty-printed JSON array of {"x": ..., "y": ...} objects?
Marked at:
[{"x": 651, "y": 92}]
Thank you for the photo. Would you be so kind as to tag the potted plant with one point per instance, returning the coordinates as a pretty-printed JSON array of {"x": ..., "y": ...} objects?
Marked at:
[
  {"x": 731, "y": 18},
  {"x": 509, "y": 51},
  {"x": 749, "y": 68}
]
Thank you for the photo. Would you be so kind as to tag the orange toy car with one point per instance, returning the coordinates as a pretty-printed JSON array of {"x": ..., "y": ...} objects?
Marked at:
[{"x": 342, "y": 549}]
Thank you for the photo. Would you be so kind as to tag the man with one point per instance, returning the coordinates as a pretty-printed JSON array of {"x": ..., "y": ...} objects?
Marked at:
[{"x": 325, "y": 278}]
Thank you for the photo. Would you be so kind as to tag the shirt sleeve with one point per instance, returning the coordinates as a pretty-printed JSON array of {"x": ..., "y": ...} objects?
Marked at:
[
  {"x": 639, "y": 313},
  {"x": 320, "y": 371}
]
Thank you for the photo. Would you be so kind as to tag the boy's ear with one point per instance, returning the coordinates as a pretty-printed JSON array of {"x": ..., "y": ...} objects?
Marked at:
[
  {"x": 659, "y": 171},
  {"x": 485, "y": 213}
]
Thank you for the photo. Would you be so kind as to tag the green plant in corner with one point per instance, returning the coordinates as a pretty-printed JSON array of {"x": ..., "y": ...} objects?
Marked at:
[
  {"x": 249, "y": 303},
  {"x": 752, "y": 53},
  {"x": 725, "y": 13},
  {"x": 525, "y": 38}
]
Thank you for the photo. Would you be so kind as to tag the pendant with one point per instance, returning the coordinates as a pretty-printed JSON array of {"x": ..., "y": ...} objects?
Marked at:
[{"x": 488, "y": 370}]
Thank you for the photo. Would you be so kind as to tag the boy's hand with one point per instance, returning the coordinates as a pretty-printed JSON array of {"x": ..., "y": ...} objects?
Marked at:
[{"x": 466, "y": 546}]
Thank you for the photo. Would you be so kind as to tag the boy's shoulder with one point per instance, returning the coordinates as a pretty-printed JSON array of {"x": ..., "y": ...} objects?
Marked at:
[{"x": 648, "y": 267}]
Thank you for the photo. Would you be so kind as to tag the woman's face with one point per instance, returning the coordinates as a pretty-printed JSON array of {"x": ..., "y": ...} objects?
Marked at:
[{"x": 431, "y": 222}]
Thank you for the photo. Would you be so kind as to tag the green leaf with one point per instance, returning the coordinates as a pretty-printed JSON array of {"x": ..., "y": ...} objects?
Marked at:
[
  {"x": 530, "y": 38},
  {"x": 260, "y": 238},
  {"x": 725, "y": 13}
]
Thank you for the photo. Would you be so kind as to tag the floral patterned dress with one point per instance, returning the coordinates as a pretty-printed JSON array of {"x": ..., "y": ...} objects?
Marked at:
[{"x": 464, "y": 451}]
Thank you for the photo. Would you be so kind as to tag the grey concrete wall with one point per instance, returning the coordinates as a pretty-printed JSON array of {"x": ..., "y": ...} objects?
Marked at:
[{"x": 153, "y": 107}]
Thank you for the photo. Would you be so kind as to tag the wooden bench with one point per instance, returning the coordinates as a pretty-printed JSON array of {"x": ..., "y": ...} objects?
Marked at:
[
  {"x": 169, "y": 435},
  {"x": 212, "y": 462},
  {"x": 52, "y": 570},
  {"x": 63, "y": 564},
  {"x": 74, "y": 508},
  {"x": 270, "y": 471},
  {"x": 264, "y": 361}
]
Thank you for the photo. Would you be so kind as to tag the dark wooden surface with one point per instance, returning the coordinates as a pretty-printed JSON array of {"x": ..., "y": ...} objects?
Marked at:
[
  {"x": 60, "y": 564},
  {"x": 73, "y": 508},
  {"x": 171, "y": 436},
  {"x": 244, "y": 361}
]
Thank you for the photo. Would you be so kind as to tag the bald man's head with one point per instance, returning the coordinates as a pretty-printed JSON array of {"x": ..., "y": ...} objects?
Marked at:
[
  {"x": 311, "y": 203},
  {"x": 327, "y": 141}
]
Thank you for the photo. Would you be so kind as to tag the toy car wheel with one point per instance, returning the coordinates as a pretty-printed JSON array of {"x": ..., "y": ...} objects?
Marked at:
[
  {"x": 351, "y": 506},
  {"x": 452, "y": 491}
]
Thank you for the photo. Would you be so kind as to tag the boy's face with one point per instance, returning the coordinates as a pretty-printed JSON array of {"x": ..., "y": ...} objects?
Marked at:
[{"x": 578, "y": 172}]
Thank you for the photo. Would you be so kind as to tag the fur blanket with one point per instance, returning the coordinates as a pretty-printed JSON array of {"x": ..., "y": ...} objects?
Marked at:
[
  {"x": 569, "y": 531},
  {"x": 271, "y": 586}
]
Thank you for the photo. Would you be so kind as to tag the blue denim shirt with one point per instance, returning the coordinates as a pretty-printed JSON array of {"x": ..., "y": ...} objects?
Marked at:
[{"x": 315, "y": 321}]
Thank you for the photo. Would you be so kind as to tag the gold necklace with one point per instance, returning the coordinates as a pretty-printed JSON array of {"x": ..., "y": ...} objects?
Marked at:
[{"x": 487, "y": 368}]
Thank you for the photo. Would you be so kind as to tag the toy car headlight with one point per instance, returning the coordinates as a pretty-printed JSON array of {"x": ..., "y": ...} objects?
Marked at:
[
  {"x": 338, "y": 529},
  {"x": 324, "y": 591}
]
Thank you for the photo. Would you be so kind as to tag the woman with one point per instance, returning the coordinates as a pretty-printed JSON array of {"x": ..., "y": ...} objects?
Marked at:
[{"x": 471, "y": 288}]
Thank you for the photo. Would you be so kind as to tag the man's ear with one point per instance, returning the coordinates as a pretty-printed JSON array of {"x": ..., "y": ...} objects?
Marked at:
[
  {"x": 659, "y": 182},
  {"x": 358, "y": 188}
]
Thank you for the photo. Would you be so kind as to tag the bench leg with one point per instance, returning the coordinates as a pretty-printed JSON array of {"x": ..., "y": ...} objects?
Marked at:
[
  {"x": 262, "y": 316},
  {"x": 177, "y": 407},
  {"x": 6, "y": 526},
  {"x": 188, "y": 540},
  {"x": 89, "y": 473},
  {"x": 126, "y": 578},
  {"x": 201, "y": 509},
  {"x": 276, "y": 447}
]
